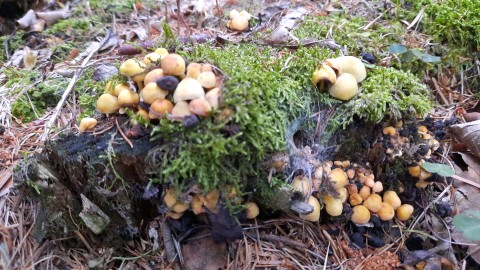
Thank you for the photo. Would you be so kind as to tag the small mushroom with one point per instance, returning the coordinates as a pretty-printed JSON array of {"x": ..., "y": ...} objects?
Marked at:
[
  {"x": 354, "y": 66},
  {"x": 211, "y": 200},
  {"x": 200, "y": 107},
  {"x": 143, "y": 113},
  {"x": 245, "y": 14},
  {"x": 386, "y": 212},
  {"x": 389, "y": 131},
  {"x": 180, "y": 207},
  {"x": 174, "y": 215},
  {"x": 251, "y": 210},
  {"x": 338, "y": 178},
  {"x": 188, "y": 89},
  {"x": 364, "y": 192},
  {"x": 324, "y": 77},
  {"x": 181, "y": 109},
  {"x": 303, "y": 185},
  {"x": 206, "y": 67},
  {"x": 128, "y": 98},
  {"x": 119, "y": 88},
  {"x": 87, "y": 123},
  {"x": 391, "y": 197},
  {"x": 360, "y": 215},
  {"x": 173, "y": 64},
  {"x": 315, "y": 215},
  {"x": 152, "y": 92},
  {"x": 334, "y": 64},
  {"x": 373, "y": 202},
  {"x": 239, "y": 23},
  {"x": 134, "y": 69},
  {"x": 333, "y": 206},
  {"x": 159, "y": 108},
  {"x": 197, "y": 204},
  {"x": 107, "y": 104},
  {"x": 207, "y": 79},
  {"x": 168, "y": 83},
  {"x": 153, "y": 76},
  {"x": 162, "y": 52},
  {"x": 233, "y": 13},
  {"x": 404, "y": 212},
  {"x": 213, "y": 97},
  {"x": 355, "y": 199},
  {"x": 170, "y": 198},
  {"x": 377, "y": 187},
  {"x": 194, "y": 70},
  {"x": 343, "y": 194},
  {"x": 345, "y": 87},
  {"x": 152, "y": 59}
]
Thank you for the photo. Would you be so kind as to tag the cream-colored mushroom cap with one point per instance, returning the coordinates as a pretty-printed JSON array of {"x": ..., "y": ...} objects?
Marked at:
[
  {"x": 128, "y": 98},
  {"x": 207, "y": 79},
  {"x": 315, "y": 215},
  {"x": 354, "y": 66},
  {"x": 345, "y": 88},
  {"x": 173, "y": 64},
  {"x": 251, "y": 210},
  {"x": 152, "y": 58},
  {"x": 152, "y": 92},
  {"x": 213, "y": 97},
  {"x": 238, "y": 23},
  {"x": 107, "y": 104},
  {"x": 87, "y": 123},
  {"x": 153, "y": 76},
  {"x": 188, "y": 89},
  {"x": 181, "y": 109},
  {"x": 132, "y": 67}
]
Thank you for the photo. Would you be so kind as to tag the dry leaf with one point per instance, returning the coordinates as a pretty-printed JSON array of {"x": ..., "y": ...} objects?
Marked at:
[
  {"x": 469, "y": 134},
  {"x": 29, "y": 58},
  {"x": 6, "y": 181},
  {"x": 204, "y": 253}
]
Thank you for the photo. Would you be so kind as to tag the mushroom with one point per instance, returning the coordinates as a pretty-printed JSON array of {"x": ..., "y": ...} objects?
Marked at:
[
  {"x": 211, "y": 200},
  {"x": 414, "y": 170},
  {"x": 334, "y": 64},
  {"x": 181, "y": 109},
  {"x": 174, "y": 215},
  {"x": 245, "y": 14},
  {"x": 345, "y": 87},
  {"x": 386, "y": 212},
  {"x": 354, "y": 66},
  {"x": 200, "y": 107},
  {"x": 167, "y": 83},
  {"x": 194, "y": 70},
  {"x": 315, "y": 215},
  {"x": 361, "y": 215},
  {"x": 119, "y": 88},
  {"x": 213, "y": 97},
  {"x": 303, "y": 185},
  {"x": 338, "y": 178},
  {"x": 343, "y": 194},
  {"x": 134, "y": 69},
  {"x": 173, "y": 64},
  {"x": 87, "y": 123},
  {"x": 404, "y": 212},
  {"x": 180, "y": 207},
  {"x": 206, "y": 67},
  {"x": 159, "y": 108},
  {"x": 197, "y": 204},
  {"x": 162, "y": 52},
  {"x": 323, "y": 77},
  {"x": 233, "y": 13},
  {"x": 152, "y": 92},
  {"x": 188, "y": 89},
  {"x": 373, "y": 202},
  {"x": 377, "y": 187},
  {"x": 251, "y": 210},
  {"x": 391, "y": 197},
  {"x": 107, "y": 104},
  {"x": 333, "y": 206},
  {"x": 170, "y": 198},
  {"x": 143, "y": 113},
  {"x": 389, "y": 131},
  {"x": 153, "y": 76},
  {"x": 128, "y": 98},
  {"x": 364, "y": 192},
  {"x": 152, "y": 58},
  {"x": 355, "y": 199},
  {"x": 207, "y": 79},
  {"x": 239, "y": 23}
]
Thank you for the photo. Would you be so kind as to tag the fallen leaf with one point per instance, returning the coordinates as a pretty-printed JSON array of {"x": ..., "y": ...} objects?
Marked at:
[
  {"x": 29, "y": 58},
  {"x": 204, "y": 253},
  {"x": 6, "y": 181},
  {"x": 469, "y": 134}
]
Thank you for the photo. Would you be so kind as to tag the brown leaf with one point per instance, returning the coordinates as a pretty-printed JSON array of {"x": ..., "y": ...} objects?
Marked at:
[
  {"x": 469, "y": 134},
  {"x": 473, "y": 116},
  {"x": 6, "y": 181},
  {"x": 29, "y": 58},
  {"x": 203, "y": 253}
]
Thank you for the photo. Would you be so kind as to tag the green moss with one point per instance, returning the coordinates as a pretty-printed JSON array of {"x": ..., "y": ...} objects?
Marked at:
[
  {"x": 14, "y": 43},
  {"x": 69, "y": 27},
  {"x": 347, "y": 33},
  {"x": 386, "y": 93}
]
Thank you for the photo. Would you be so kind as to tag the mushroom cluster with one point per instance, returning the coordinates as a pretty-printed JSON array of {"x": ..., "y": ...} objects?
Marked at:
[
  {"x": 349, "y": 183},
  {"x": 419, "y": 139},
  {"x": 166, "y": 87},
  {"x": 238, "y": 20},
  {"x": 200, "y": 202},
  {"x": 340, "y": 76}
]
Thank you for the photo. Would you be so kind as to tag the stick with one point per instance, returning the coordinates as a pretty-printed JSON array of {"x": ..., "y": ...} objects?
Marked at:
[{"x": 78, "y": 74}]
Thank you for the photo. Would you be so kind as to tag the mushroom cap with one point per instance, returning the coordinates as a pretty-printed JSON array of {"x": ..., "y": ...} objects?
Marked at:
[
  {"x": 162, "y": 52},
  {"x": 213, "y": 97},
  {"x": 119, "y": 88},
  {"x": 404, "y": 212},
  {"x": 200, "y": 107},
  {"x": 303, "y": 185},
  {"x": 315, "y": 215},
  {"x": 153, "y": 76},
  {"x": 159, "y": 108},
  {"x": 152, "y": 58},
  {"x": 87, "y": 123},
  {"x": 188, "y": 89},
  {"x": 354, "y": 66},
  {"x": 345, "y": 87},
  {"x": 238, "y": 23},
  {"x": 386, "y": 212},
  {"x": 233, "y": 13},
  {"x": 361, "y": 215},
  {"x": 194, "y": 70},
  {"x": 333, "y": 206},
  {"x": 197, "y": 204},
  {"x": 373, "y": 202},
  {"x": 128, "y": 98},
  {"x": 334, "y": 64},
  {"x": 245, "y": 14},
  {"x": 391, "y": 197},
  {"x": 324, "y": 76},
  {"x": 107, "y": 104},
  {"x": 251, "y": 210},
  {"x": 211, "y": 200},
  {"x": 173, "y": 64},
  {"x": 181, "y": 109},
  {"x": 152, "y": 92},
  {"x": 207, "y": 79},
  {"x": 338, "y": 178},
  {"x": 355, "y": 199},
  {"x": 132, "y": 67},
  {"x": 206, "y": 67}
]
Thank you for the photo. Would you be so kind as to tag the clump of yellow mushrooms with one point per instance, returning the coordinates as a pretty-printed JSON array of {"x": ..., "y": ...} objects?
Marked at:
[
  {"x": 340, "y": 76},
  {"x": 353, "y": 185},
  {"x": 161, "y": 85},
  {"x": 238, "y": 20}
]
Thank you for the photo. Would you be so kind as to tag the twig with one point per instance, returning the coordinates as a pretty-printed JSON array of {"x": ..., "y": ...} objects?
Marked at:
[
  {"x": 168, "y": 242},
  {"x": 123, "y": 134},
  {"x": 439, "y": 91},
  {"x": 417, "y": 18},
  {"x": 70, "y": 86}
]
